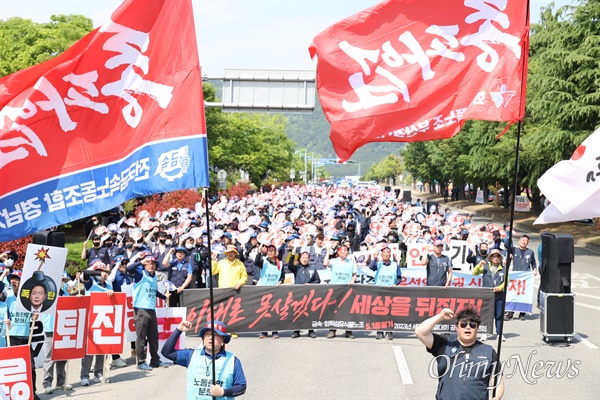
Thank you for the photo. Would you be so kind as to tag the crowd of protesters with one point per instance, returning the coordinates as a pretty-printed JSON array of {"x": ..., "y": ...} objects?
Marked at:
[{"x": 257, "y": 239}]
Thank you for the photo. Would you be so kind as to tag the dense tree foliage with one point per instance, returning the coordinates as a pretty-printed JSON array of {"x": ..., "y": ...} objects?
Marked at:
[
  {"x": 563, "y": 108},
  {"x": 389, "y": 169},
  {"x": 24, "y": 43}
]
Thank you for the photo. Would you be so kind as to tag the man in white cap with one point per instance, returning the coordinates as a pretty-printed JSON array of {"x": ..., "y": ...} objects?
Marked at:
[{"x": 230, "y": 378}]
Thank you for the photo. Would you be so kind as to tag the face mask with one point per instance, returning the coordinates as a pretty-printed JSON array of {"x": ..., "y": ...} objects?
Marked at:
[
  {"x": 95, "y": 222},
  {"x": 128, "y": 245},
  {"x": 168, "y": 242},
  {"x": 483, "y": 252},
  {"x": 189, "y": 246},
  {"x": 9, "y": 262},
  {"x": 427, "y": 237},
  {"x": 96, "y": 244},
  {"x": 139, "y": 245},
  {"x": 108, "y": 244},
  {"x": 498, "y": 240},
  {"x": 163, "y": 241}
]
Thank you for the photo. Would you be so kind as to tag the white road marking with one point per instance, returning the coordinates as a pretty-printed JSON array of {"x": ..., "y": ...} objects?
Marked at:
[
  {"x": 587, "y": 306},
  {"x": 587, "y": 295},
  {"x": 402, "y": 366},
  {"x": 585, "y": 341},
  {"x": 592, "y": 277}
]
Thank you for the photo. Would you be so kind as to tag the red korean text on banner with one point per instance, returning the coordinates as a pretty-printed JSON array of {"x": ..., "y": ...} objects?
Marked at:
[
  {"x": 106, "y": 323},
  {"x": 15, "y": 373},
  {"x": 70, "y": 328},
  {"x": 119, "y": 115},
  {"x": 400, "y": 72}
]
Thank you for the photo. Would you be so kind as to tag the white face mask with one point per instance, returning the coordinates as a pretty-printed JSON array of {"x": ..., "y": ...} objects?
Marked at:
[
  {"x": 168, "y": 243},
  {"x": 189, "y": 246},
  {"x": 9, "y": 262},
  {"x": 427, "y": 237}
]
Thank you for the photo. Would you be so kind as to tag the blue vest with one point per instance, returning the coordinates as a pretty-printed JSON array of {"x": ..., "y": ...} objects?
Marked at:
[
  {"x": 461, "y": 377},
  {"x": 386, "y": 274},
  {"x": 3, "y": 316},
  {"x": 48, "y": 322},
  {"x": 341, "y": 271},
  {"x": 199, "y": 374},
  {"x": 97, "y": 288},
  {"x": 21, "y": 321},
  {"x": 269, "y": 274},
  {"x": 144, "y": 292}
]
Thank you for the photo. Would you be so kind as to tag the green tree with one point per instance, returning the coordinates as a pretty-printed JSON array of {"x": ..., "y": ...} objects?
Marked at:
[
  {"x": 24, "y": 43},
  {"x": 255, "y": 143}
]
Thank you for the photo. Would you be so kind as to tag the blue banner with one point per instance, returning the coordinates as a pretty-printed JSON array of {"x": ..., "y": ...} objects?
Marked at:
[{"x": 156, "y": 167}]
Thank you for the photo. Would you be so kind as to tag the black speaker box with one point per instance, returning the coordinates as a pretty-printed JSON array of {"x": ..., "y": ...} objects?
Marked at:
[
  {"x": 557, "y": 315},
  {"x": 388, "y": 188},
  {"x": 431, "y": 203},
  {"x": 49, "y": 238},
  {"x": 407, "y": 196},
  {"x": 558, "y": 252}
]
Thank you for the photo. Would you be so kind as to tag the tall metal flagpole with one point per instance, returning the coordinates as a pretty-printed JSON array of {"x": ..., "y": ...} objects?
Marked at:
[
  {"x": 497, "y": 367},
  {"x": 208, "y": 279},
  {"x": 210, "y": 285}
]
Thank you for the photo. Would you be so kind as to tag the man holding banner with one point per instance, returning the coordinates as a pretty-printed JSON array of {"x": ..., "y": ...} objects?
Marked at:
[
  {"x": 343, "y": 271},
  {"x": 388, "y": 273},
  {"x": 439, "y": 266},
  {"x": 145, "y": 292},
  {"x": 523, "y": 260}
]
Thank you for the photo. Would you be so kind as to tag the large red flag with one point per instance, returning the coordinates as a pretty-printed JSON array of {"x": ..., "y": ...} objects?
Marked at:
[
  {"x": 414, "y": 70},
  {"x": 118, "y": 115}
]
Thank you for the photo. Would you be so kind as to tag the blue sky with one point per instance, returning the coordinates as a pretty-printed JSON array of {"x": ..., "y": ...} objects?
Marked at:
[{"x": 235, "y": 34}]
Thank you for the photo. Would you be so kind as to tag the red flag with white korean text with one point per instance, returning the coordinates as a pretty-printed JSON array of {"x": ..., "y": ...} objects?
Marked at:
[
  {"x": 106, "y": 323},
  {"x": 70, "y": 328},
  {"x": 118, "y": 115},
  {"x": 15, "y": 373},
  {"x": 415, "y": 70}
]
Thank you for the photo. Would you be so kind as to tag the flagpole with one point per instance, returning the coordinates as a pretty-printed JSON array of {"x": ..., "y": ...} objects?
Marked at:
[
  {"x": 209, "y": 279},
  {"x": 497, "y": 367}
]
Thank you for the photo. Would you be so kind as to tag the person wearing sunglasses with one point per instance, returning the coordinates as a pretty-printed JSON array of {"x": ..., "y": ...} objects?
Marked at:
[
  {"x": 493, "y": 277},
  {"x": 465, "y": 366}
]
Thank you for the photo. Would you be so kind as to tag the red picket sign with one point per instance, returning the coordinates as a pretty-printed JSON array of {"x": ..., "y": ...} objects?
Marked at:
[
  {"x": 15, "y": 373},
  {"x": 70, "y": 328},
  {"x": 106, "y": 325}
]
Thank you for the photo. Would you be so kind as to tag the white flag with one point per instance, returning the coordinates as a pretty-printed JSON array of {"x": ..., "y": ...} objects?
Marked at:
[{"x": 573, "y": 186}]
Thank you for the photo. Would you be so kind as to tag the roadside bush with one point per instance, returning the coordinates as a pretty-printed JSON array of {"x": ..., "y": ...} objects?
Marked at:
[
  {"x": 178, "y": 199},
  {"x": 19, "y": 246},
  {"x": 239, "y": 190}
]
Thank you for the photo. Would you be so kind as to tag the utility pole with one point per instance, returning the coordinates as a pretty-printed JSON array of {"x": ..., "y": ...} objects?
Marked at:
[{"x": 305, "y": 176}]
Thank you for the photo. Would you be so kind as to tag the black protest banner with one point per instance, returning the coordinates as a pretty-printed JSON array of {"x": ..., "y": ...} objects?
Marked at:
[{"x": 355, "y": 307}]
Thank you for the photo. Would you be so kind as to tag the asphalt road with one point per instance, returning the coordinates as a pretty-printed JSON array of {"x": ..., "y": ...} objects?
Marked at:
[{"x": 366, "y": 368}]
